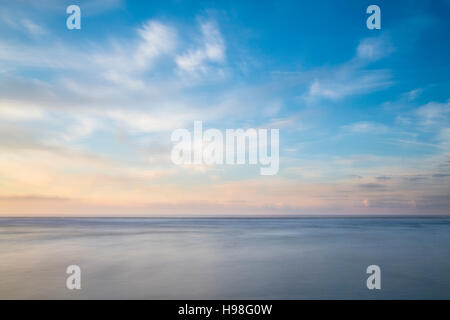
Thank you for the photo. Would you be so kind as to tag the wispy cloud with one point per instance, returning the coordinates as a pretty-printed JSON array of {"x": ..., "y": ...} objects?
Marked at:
[
  {"x": 433, "y": 112},
  {"x": 351, "y": 78},
  {"x": 373, "y": 49},
  {"x": 366, "y": 127},
  {"x": 209, "y": 54}
]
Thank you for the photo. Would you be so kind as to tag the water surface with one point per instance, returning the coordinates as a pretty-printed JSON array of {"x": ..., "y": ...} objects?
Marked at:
[{"x": 155, "y": 258}]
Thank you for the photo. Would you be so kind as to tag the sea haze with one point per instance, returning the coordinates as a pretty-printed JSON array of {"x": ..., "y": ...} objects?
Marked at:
[{"x": 225, "y": 258}]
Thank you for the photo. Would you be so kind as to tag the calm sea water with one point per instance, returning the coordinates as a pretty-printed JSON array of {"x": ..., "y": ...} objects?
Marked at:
[{"x": 304, "y": 258}]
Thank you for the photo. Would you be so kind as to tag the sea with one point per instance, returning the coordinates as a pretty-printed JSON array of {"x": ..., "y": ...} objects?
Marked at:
[{"x": 225, "y": 258}]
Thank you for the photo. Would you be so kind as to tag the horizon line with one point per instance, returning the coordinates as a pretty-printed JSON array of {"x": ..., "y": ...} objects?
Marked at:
[{"x": 297, "y": 216}]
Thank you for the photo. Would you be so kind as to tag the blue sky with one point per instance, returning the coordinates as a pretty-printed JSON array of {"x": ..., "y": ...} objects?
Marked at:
[{"x": 86, "y": 115}]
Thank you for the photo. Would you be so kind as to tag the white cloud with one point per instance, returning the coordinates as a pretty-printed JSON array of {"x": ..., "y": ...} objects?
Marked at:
[
  {"x": 124, "y": 63},
  {"x": 33, "y": 28},
  {"x": 21, "y": 23},
  {"x": 124, "y": 80},
  {"x": 15, "y": 111},
  {"x": 350, "y": 78},
  {"x": 157, "y": 39},
  {"x": 373, "y": 49},
  {"x": 150, "y": 121},
  {"x": 347, "y": 82},
  {"x": 444, "y": 139},
  {"x": 83, "y": 128},
  {"x": 433, "y": 112},
  {"x": 413, "y": 94},
  {"x": 212, "y": 50},
  {"x": 366, "y": 127}
]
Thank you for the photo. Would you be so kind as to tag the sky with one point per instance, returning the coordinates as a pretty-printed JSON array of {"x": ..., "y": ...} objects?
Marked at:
[{"x": 86, "y": 115}]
